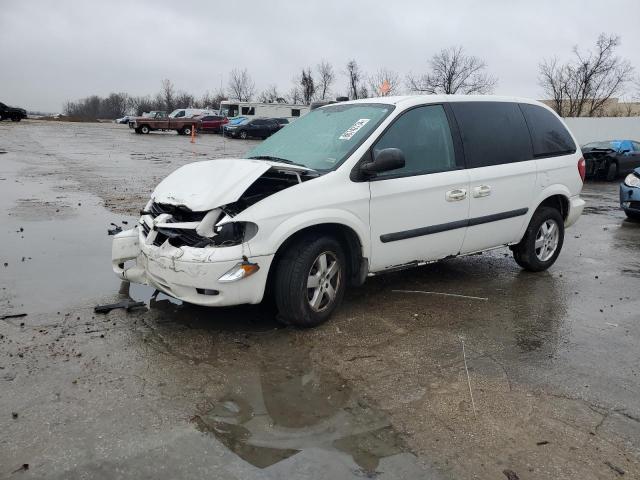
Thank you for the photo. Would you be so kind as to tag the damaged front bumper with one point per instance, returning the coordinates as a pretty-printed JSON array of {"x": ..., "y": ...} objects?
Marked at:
[{"x": 189, "y": 274}]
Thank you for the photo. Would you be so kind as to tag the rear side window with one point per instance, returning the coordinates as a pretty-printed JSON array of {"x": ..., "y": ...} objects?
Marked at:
[
  {"x": 548, "y": 135},
  {"x": 493, "y": 133},
  {"x": 424, "y": 137}
]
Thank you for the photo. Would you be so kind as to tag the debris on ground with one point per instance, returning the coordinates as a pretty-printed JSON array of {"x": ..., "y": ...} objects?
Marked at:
[
  {"x": 13, "y": 315},
  {"x": 543, "y": 442},
  {"x": 14, "y": 415},
  {"x": 23, "y": 468},
  {"x": 510, "y": 474},
  {"x": 115, "y": 230},
  {"x": 127, "y": 304},
  {"x": 615, "y": 468}
]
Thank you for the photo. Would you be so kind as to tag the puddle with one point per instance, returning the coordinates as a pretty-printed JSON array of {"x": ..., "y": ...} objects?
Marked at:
[
  {"x": 55, "y": 247},
  {"x": 289, "y": 406}
]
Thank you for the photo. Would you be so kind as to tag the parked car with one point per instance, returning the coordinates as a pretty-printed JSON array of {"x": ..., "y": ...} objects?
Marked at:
[
  {"x": 124, "y": 120},
  {"x": 358, "y": 189},
  {"x": 630, "y": 194},
  {"x": 611, "y": 158},
  {"x": 157, "y": 114},
  {"x": 256, "y": 127},
  {"x": 191, "y": 112},
  {"x": 183, "y": 126},
  {"x": 283, "y": 122},
  {"x": 14, "y": 113},
  {"x": 212, "y": 123}
]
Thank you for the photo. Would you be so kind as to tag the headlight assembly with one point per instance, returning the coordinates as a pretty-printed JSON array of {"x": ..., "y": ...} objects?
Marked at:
[{"x": 632, "y": 181}]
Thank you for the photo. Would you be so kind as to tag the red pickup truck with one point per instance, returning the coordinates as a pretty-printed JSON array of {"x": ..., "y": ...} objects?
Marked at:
[{"x": 183, "y": 126}]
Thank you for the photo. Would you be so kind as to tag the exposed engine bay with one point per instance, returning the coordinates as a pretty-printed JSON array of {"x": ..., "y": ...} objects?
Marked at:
[{"x": 180, "y": 226}]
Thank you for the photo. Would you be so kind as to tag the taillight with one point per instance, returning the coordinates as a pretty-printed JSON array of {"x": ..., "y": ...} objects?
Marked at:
[{"x": 582, "y": 169}]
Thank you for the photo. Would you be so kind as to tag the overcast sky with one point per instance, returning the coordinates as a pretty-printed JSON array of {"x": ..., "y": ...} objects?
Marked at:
[{"x": 56, "y": 50}]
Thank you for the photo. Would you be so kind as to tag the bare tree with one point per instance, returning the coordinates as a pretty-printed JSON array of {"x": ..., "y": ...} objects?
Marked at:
[
  {"x": 584, "y": 85},
  {"x": 271, "y": 95},
  {"x": 168, "y": 93},
  {"x": 452, "y": 71},
  {"x": 114, "y": 106},
  {"x": 355, "y": 77},
  {"x": 294, "y": 96},
  {"x": 184, "y": 100},
  {"x": 307, "y": 86},
  {"x": 326, "y": 77},
  {"x": 241, "y": 86},
  {"x": 385, "y": 82}
]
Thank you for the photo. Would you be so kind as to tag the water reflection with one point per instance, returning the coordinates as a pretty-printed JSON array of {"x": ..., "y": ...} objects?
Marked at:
[{"x": 285, "y": 407}]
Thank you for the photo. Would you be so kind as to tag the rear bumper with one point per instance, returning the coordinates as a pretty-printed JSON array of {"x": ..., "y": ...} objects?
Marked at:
[
  {"x": 576, "y": 206},
  {"x": 188, "y": 274},
  {"x": 630, "y": 198}
]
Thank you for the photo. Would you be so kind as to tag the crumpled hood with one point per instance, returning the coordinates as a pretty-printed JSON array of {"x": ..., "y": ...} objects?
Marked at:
[{"x": 203, "y": 186}]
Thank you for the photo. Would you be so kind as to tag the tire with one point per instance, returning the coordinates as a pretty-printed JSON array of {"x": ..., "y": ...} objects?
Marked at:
[
  {"x": 612, "y": 172},
  {"x": 632, "y": 215},
  {"x": 145, "y": 129},
  {"x": 186, "y": 131},
  {"x": 299, "y": 304},
  {"x": 539, "y": 249},
  {"x": 243, "y": 135}
]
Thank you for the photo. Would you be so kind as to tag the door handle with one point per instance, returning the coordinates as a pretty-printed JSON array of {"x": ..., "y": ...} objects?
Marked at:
[
  {"x": 481, "y": 191},
  {"x": 456, "y": 195}
]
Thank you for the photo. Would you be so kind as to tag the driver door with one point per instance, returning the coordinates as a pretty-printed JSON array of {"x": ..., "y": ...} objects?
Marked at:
[{"x": 419, "y": 212}]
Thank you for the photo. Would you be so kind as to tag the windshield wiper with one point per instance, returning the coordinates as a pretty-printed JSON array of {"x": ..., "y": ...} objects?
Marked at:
[{"x": 277, "y": 159}]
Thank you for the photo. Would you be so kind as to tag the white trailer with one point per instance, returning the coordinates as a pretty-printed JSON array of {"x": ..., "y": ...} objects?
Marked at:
[{"x": 229, "y": 108}]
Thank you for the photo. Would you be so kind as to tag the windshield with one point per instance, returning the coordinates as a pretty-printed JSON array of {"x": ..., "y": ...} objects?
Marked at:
[{"x": 325, "y": 137}]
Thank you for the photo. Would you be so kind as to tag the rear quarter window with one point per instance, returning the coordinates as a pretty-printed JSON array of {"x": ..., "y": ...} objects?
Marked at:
[
  {"x": 548, "y": 135},
  {"x": 493, "y": 133}
]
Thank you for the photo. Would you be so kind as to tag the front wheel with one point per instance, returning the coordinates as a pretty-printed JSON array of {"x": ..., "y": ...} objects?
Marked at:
[
  {"x": 542, "y": 241},
  {"x": 632, "y": 215},
  {"x": 243, "y": 135},
  {"x": 310, "y": 281},
  {"x": 144, "y": 129}
]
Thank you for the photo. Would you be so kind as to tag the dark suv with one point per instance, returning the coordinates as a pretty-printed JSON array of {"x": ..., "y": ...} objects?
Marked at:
[
  {"x": 257, "y": 127},
  {"x": 13, "y": 113}
]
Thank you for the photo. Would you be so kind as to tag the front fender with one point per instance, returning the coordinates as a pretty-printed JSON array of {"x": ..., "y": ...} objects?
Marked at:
[{"x": 282, "y": 230}]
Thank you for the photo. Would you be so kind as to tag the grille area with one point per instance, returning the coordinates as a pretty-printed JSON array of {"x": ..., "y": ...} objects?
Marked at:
[{"x": 178, "y": 237}]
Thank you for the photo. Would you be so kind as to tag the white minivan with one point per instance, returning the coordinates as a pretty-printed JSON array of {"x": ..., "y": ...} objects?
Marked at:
[{"x": 357, "y": 189}]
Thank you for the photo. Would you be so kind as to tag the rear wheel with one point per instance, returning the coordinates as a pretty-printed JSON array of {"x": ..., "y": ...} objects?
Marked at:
[
  {"x": 145, "y": 129},
  {"x": 542, "y": 241},
  {"x": 186, "y": 130},
  {"x": 612, "y": 171},
  {"x": 243, "y": 135},
  {"x": 310, "y": 281}
]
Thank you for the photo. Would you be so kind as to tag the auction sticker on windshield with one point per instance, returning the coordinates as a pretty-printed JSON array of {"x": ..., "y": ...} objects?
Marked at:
[{"x": 353, "y": 129}]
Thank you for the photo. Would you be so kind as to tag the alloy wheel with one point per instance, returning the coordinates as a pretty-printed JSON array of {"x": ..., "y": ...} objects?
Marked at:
[
  {"x": 547, "y": 240},
  {"x": 323, "y": 281}
]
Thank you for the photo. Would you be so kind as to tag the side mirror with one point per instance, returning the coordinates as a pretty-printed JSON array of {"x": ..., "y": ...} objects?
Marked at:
[{"x": 383, "y": 161}]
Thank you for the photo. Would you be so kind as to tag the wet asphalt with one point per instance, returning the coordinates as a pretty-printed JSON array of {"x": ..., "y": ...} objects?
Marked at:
[{"x": 381, "y": 391}]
